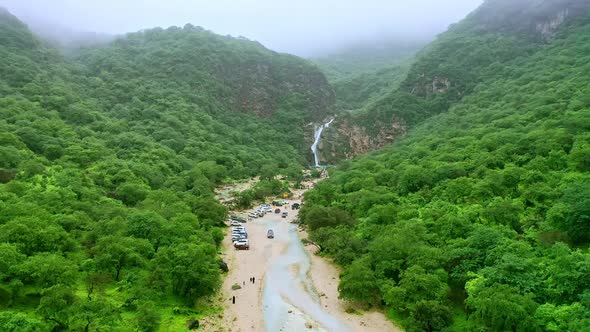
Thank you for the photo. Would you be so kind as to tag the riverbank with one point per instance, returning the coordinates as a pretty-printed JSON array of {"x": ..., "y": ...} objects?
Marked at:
[
  {"x": 301, "y": 292},
  {"x": 325, "y": 276}
]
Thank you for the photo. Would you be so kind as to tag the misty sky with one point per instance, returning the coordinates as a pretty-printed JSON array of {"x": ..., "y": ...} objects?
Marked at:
[{"x": 302, "y": 27}]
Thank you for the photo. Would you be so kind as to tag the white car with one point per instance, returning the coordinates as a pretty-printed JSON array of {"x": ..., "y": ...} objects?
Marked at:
[
  {"x": 235, "y": 223},
  {"x": 242, "y": 244},
  {"x": 252, "y": 215}
]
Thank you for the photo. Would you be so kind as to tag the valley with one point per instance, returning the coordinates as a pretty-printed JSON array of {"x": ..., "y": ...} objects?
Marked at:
[
  {"x": 458, "y": 195},
  {"x": 293, "y": 290}
]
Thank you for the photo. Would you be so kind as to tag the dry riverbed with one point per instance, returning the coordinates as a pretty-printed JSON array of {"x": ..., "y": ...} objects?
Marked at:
[{"x": 302, "y": 293}]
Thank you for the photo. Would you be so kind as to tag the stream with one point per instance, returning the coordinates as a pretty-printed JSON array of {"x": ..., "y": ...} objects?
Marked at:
[{"x": 289, "y": 298}]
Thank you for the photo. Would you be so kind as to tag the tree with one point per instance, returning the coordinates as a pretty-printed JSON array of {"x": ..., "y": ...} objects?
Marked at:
[
  {"x": 146, "y": 225},
  {"x": 48, "y": 270},
  {"x": 431, "y": 315},
  {"x": 132, "y": 193},
  {"x": 318, "y": 216},
  {"x": 191, "y": 269},
  {"x": 32, "y": 235},
  {"x": 114, "y": 253},
  {"x": 577, "y": 221},
  {"x": 10, "y": 259},
  {"x": 500, "y": 307},
  {"x": 415, "y": 285},
  {"x": 358, "y": 283},
  {"x": 94, "y": 315},
  {"x": 11, "y": 321},
  {"x": 148, "y": 317},
  {"x": 57, "y": 306}
]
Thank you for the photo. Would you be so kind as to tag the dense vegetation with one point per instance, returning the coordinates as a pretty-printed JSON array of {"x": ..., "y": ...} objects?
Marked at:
[
  {"x": 366, "y": 89},
  {"x": 478, "y": 219},
  {"x": 363, "y": 74},
  {"x": 108, "y": 163},
  {"x": 367, "y": 57},
  {"x": 462, "y": 58}
]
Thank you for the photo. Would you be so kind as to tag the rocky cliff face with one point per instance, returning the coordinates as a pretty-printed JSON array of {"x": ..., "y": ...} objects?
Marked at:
[
  {"x": 345, "y": 139},
  {"x": 549, "y": 28},
  {"x": 469, "y": 53}
]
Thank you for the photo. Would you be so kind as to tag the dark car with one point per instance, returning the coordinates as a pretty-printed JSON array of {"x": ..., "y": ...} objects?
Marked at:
[
  {"x": 270, "y": 234},
  {"x": 296, "y": 206}
]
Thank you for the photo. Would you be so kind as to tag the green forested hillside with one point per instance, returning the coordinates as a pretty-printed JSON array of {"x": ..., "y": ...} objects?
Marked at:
[
  {"x": 107, "y": 167},
  {"x": 365, "y": 89},
  {"x": 369, "y": 57},
  {"x": 471, "y": 52},
  {"x": 478, "y": 219},
  {"x": 362, "y": 74}
]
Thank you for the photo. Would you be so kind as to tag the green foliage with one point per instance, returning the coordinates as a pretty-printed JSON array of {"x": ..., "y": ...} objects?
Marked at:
[
  {"x": 366, "y": 58},
  {"x": 108, "y": 162},
  {"x": 478, "y": 218}
]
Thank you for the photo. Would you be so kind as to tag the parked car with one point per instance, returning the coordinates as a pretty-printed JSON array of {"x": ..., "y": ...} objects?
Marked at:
[
  {"x": 285, "y": 214},
  {"x": 252, "y": 215},
  {"x": 235, "y": 223},
  {"x": 239, "y": 219},
  {"x": 277, "y": 203},
  {"x": 296, "y": 206},
  {"x": 270, "y": 234},
  {"x": 242, "y": 244}
]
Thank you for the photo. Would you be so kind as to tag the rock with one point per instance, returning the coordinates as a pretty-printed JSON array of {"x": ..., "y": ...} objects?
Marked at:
[
  {"x": 222, "y": 265},
  {"x": 322, "y": 294},
  {"x": 192, "y": 324},
  {"x": 290, "y": 311},
  {"x": 309, "y": 325}
]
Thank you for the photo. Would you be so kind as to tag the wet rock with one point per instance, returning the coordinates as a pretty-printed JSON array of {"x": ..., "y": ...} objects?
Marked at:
[
  {"x": 222, "y": 265},
  {"x": 192, "y": 324}
]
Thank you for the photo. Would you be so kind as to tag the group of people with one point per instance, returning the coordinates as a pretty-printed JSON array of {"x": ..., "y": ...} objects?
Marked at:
[{"x": 252, "y": 280}]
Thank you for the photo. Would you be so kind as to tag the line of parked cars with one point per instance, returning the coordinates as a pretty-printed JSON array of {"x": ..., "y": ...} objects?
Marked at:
[
  {"x": 239, "y": 237},
  {"x": 260, "y": 212}
]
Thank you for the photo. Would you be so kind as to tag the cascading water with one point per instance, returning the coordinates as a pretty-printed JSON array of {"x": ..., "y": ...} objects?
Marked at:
[{"x": 317, "y": 137}]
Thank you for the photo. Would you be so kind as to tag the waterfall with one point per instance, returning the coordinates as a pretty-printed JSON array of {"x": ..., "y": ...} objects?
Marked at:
[{"x": 317, "y": 137}]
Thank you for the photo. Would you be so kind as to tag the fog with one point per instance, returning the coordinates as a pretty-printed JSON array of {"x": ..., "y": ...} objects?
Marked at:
[{"x": 302, "y": 27}]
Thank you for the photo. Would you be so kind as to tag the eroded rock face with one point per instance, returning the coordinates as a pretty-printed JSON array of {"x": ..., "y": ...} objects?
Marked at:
[
  {"x": 427, "y": 85},
  {"x": 345, "y": 140},
  {"x": 549, "y": 28}
]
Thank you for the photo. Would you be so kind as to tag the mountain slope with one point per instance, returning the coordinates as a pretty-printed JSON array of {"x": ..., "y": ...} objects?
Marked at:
[
  {"x": 108, "y": 163},
  {"x": 364, "y": 58},
  {"x": 477, "y": 219},
  {"x": 478, "y": 49}
]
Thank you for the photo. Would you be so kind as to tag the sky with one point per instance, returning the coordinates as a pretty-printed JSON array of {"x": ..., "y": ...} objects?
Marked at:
[{"x": 301, "y": 27}]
